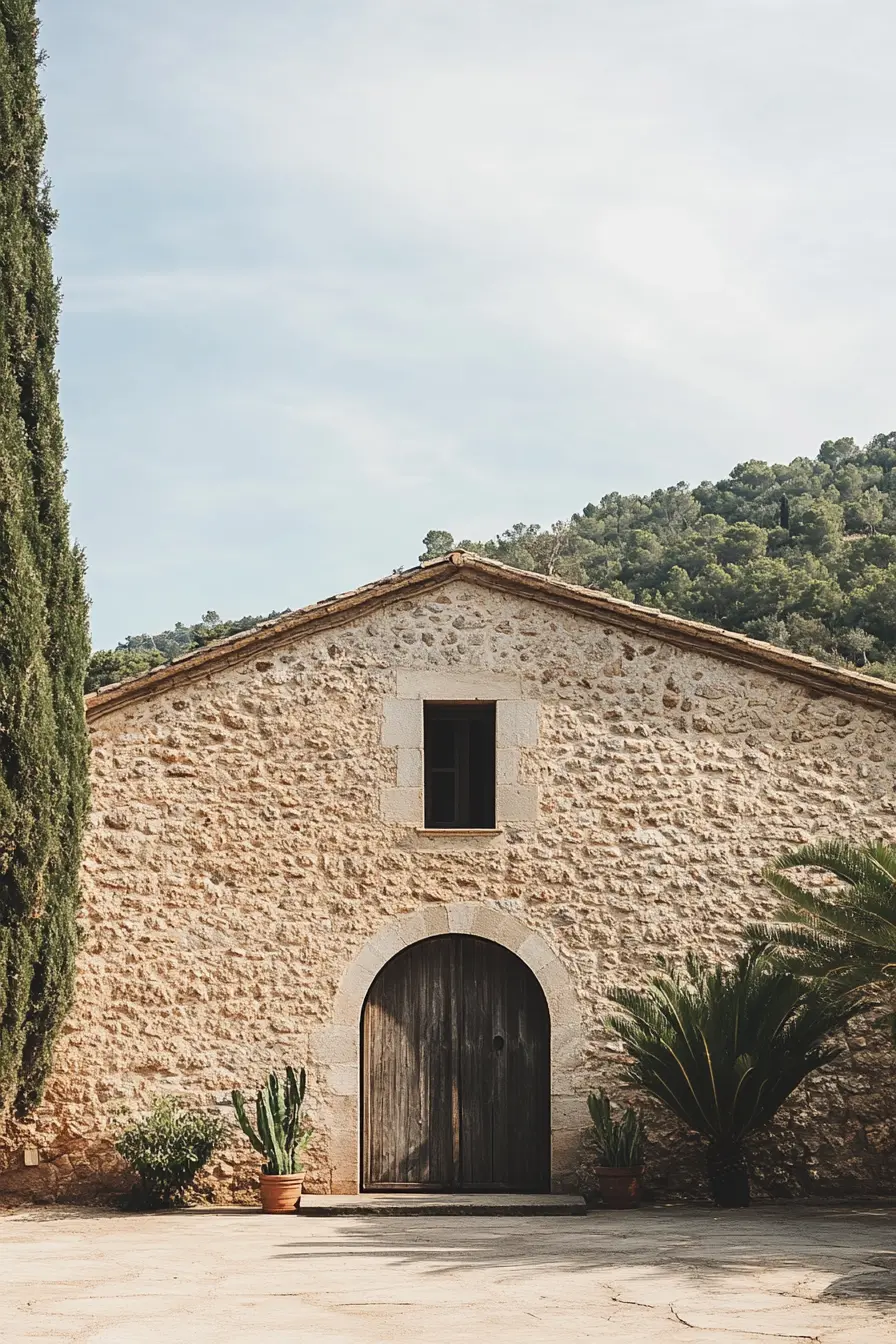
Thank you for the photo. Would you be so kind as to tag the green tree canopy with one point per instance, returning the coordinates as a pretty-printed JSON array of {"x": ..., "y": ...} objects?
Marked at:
[
  {"x": 802, "y": 554},
  {"x": 139, "y": 653}
]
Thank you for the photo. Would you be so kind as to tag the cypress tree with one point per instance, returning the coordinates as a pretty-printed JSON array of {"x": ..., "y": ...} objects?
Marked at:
[{"x": 43, "y": 609}]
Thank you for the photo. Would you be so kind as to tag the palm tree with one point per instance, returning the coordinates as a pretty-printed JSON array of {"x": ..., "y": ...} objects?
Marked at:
[
  {"x": 844, "y": 935},
  {"x": 723, "y": 1048}
]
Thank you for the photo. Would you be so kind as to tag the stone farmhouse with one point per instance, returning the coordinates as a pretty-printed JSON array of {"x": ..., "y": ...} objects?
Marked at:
[{"x": 408, "y": 836}]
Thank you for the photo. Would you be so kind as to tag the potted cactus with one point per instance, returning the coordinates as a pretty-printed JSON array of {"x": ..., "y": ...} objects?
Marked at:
[
  {"x": 281, "y": 1136},
  {"x": 620, "y": 1151}
]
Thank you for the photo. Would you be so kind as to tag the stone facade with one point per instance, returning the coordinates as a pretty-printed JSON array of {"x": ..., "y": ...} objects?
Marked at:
[{"x": 256, "y": 853}]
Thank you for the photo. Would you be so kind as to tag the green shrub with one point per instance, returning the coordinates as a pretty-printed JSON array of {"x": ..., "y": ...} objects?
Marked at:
[
  {"x": 619, "y": 1143},
  {"x": 167, "y": 1149}
]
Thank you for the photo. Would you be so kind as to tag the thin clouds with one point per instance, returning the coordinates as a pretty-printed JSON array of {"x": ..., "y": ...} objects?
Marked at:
[{"x": 484, "y": 261}]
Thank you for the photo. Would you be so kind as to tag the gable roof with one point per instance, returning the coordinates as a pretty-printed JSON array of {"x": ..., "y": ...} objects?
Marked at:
[{"x": 815, "y": 676}]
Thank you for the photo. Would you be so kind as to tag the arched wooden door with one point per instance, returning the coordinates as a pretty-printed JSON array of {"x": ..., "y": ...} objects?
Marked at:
[{"x": 456, "y": 1071}]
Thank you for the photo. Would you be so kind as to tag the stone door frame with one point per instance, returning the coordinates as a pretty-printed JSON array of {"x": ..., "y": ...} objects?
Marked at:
[{"x": 335, "y": 1050}]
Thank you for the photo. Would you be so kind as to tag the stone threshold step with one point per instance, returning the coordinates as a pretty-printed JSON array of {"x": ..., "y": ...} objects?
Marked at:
[{"x": 394, "y": 1205}]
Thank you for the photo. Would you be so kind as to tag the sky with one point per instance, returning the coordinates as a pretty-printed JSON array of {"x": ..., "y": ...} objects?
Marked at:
[{"x": 336, "y": 274}]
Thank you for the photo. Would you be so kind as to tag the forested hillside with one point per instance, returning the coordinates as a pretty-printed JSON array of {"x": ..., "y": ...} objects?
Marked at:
[
  {"x": 802, "y": 554},
  {"x": 138, "y": 653}
]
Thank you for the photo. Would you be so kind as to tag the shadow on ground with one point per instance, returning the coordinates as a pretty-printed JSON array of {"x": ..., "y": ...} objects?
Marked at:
[{"x": 715, "y": 1245}]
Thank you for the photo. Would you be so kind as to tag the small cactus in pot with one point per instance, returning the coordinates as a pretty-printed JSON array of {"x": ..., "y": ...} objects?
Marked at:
[{"x": 280, "y": 1135}]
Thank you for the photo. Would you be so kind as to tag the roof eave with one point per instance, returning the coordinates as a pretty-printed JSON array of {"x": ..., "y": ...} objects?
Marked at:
[
  {"x": 816, "y": 677},
  {"x": 331, "y": 611}
]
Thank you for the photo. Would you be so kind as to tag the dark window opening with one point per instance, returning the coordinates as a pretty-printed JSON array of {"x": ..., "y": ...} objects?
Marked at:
[{"x": 459, "y": 766}]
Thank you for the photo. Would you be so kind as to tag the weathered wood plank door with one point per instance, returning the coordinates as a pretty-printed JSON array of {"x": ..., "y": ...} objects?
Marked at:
[{"x": 456, "y": 1071}]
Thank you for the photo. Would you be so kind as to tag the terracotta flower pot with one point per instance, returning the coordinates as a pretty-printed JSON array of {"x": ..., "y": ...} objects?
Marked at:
[
  {"x": 620, "y": 1187},
  {"x": 280, "y": 1194}
]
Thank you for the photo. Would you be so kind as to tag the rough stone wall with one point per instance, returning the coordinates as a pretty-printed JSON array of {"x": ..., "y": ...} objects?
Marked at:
[{"x": 238, "y": 859}]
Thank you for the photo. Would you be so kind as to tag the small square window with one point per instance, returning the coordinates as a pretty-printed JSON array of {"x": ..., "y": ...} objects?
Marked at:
[{"x": 459, "y": 766}]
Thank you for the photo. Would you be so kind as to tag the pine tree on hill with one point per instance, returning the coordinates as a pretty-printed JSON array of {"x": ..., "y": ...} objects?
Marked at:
[{"x": 43, "y": 610}]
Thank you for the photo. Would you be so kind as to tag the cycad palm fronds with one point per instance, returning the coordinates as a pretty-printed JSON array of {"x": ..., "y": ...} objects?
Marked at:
[
  {"x": 846, "y": 934},
  {"x": 724, "y": 1048}
]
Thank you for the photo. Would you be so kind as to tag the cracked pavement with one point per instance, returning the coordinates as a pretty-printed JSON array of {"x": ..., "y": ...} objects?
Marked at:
[{"x": 674, "y": 1275}]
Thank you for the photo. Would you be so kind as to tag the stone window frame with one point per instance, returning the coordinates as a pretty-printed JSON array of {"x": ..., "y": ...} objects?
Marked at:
[
  {"x": 516, "y": 728},
  {"x": 335, "y": 1049}
]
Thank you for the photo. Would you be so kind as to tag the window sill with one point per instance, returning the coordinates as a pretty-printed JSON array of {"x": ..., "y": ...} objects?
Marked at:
[
  {"x": 452, "y": 839},
  {"x": 459, "y": 830}
]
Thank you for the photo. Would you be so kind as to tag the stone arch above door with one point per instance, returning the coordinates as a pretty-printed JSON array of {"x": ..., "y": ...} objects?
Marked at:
[{"x": 335, "y": 1049}]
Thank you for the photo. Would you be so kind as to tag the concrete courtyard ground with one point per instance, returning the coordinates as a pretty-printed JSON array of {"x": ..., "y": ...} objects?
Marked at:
[{"x": 672, "y": 1275}]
